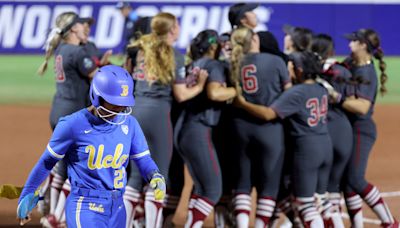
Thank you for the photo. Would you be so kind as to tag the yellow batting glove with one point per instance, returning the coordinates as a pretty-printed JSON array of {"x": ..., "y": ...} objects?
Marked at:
[
  {"x": 157, "y": 182},
  {"x": 10, "y": 191}
]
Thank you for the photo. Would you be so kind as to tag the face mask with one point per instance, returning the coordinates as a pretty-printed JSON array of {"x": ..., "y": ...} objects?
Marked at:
[{"x": 123, "y": 114}]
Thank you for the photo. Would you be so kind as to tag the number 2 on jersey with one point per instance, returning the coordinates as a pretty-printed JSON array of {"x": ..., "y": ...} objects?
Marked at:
[
  {"x": 249, "y": 79},
  {"x": 317, "y": 111},
  {"x": 119, "y": 174}
]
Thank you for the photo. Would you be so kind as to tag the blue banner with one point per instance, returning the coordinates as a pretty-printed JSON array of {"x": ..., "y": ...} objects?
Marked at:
[{"x": 24, "y": 24}]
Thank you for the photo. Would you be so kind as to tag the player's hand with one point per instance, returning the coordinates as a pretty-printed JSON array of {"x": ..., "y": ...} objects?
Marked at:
[
  {"x": 26, "y": 206},
  {"x": 239, "y": 101},
  {"x": 105, "y": 59},
  {"x": 203, "y": 75},
  {"x": 157, "y": 182}
]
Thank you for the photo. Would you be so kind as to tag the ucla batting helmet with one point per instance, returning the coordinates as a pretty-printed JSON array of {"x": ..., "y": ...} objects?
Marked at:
[{"x": 114, "y": 85}]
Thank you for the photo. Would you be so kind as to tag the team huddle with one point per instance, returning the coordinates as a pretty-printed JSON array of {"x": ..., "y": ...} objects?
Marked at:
[{"x": 239, "y": 113}]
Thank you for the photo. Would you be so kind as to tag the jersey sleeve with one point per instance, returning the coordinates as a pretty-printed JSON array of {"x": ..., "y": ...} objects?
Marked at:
[
  {"x": 348, "y": 89},
  {"x": 288, "y": 103},
  {"x": 367, "y": 90},
  {"x": 180, "y": 72},
  {"x": 61, "y": 140},
  {"x": 283, "y": 72},
  {"x": 139, "y": 147},
  {"x": 140, "y": 153},
  {"x": 84, "y": 62},
  {"x": 215, "y": 72},
  {"x": 55, "y": 150}
]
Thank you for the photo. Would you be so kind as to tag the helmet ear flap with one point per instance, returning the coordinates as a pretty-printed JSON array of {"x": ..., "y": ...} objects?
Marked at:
[{"x": 94, "y": 98}]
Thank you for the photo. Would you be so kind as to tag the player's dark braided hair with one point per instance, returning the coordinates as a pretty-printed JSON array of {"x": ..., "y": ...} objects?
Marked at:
[
  {"x": 373, "y": 38},
  {"x": 373, "y": 47},
  {"x": 201, "y": 44}
]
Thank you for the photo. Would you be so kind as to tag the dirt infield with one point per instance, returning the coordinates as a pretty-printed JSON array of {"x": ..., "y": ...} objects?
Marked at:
[{"x": 25, "y": 131}]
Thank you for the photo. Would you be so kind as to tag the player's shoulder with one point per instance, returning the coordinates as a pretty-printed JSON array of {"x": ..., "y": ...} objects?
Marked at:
[
  {"x": 74, "y": 120},
  {"x": 131, "y": 121},
  {"x": 271, "y": 60},
  {"x": 74, "y": 117},
  {"x": 341, "y": 71}
]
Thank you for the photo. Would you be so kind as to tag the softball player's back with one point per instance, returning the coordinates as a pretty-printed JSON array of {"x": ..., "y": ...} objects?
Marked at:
[
  {"x": 263, "y": 78},
  {"x": 201, "y": 115}
]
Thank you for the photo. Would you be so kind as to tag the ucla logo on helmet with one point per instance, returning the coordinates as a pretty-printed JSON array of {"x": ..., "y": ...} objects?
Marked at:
[{"x": 125, "y": 90}]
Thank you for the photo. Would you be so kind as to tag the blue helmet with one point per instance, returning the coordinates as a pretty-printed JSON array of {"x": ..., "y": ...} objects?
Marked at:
[{"x": 114, "y": 84}]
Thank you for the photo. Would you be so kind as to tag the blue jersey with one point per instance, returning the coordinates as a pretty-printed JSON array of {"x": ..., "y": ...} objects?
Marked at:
[
  {"x": 306, "y": 106},
  {"x": 96, "y": 152}
]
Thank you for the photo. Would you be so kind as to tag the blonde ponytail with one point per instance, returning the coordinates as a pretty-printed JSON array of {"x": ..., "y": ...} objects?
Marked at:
[
  {"x": 241, "y": 43},
  {"x": 52, "y": 42},
  {"x": 55, "y": 36}
]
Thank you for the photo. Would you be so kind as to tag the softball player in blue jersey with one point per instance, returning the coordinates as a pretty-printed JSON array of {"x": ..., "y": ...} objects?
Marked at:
[
  {"x": 73, "y": 68},
  {"x": 201, "y": 114},
  {"x": 306, "y": 106},
  {"x": 96, "y": 144},
  {"x": 56, "y": 215},
  {"x": 339, "y": 127},
  {"x": 364, "y": 45},
  {"x": 159, "y": 76},
  {"x": 262, "y": 78}
]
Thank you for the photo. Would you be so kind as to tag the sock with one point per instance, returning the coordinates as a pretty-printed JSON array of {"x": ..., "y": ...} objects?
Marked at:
[
  {"x": 131, "y": 200},
  {"x": 56, "y": 183},
  {"x": 265, "y": 209},
  {"x": 335, "y": 198},
  {"x": 336, "y": 216},
  {"x": 331, "y": 219},
  {"x": 60, "y": 209},
  {"x": 242, "y": 208},
  {"x": 307, "y": 210},
  {"x": 372, "y": 197},
  {"x": 153, "y": 210},
  {"x": 354, "y": 206},
  {"x": 201, "y": 209}
]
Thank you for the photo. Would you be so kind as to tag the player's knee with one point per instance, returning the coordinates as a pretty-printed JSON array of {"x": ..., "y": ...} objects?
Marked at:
[
  {"x": 357, "y": 184},
  {"x": 214, "y": 192}
]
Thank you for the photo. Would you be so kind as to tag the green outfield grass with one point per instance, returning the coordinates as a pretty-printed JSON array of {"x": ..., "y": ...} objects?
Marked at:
[{"x": 19, "y": 83}]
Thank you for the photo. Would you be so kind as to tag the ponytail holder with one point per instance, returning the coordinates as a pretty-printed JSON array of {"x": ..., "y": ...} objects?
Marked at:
[
  {"x": 212, "y": 40},
  {"x": 50, "y": 37}
]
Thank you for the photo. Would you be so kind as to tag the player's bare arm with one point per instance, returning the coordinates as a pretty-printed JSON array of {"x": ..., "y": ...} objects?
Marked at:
[
  {"x": 183, "y": 93},
  {"x": 218, "y": 92},
  {"x": 357, "y": 105}
]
